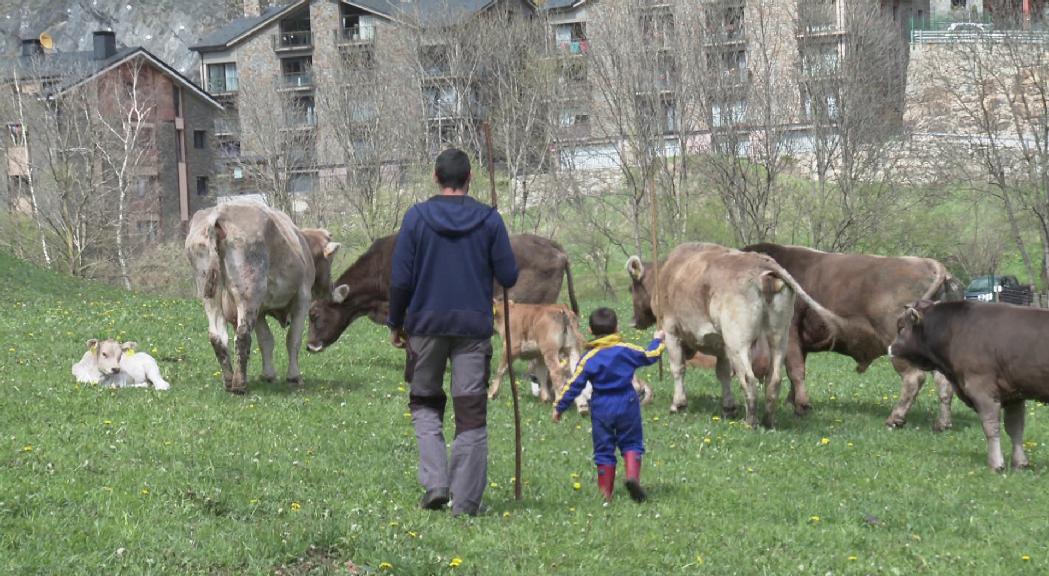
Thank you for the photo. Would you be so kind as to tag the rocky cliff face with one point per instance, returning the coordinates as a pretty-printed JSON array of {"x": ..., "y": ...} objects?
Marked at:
[{"x": 165, "y": 27}]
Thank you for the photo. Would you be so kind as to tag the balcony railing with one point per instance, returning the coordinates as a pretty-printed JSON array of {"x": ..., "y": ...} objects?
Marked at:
[
  {"x": 298, "y": 81},
  {"x": 292, "y": 40},
  {"x": 817, "y": 18},
  {"x": 301, "y": 121},
  {"x": 575, "y": 46},
  {"x": 726, "y": 35},
  {"x": 361, "y": 34},
  {"x": 226, "y": 127}
]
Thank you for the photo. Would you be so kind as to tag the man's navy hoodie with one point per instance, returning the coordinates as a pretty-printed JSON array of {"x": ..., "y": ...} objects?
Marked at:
[{"x": 447, "y": 253}]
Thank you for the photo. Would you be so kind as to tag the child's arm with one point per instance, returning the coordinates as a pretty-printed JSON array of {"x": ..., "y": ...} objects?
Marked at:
[
  {"x": 650, "y": 355},
  {"x": 574, "y": 388}
]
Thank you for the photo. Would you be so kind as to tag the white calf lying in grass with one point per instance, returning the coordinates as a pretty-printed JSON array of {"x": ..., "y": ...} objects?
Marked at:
[{"x": 117, "y": 365}]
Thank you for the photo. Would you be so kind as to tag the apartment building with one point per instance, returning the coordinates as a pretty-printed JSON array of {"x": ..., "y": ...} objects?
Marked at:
[
  {"x": 169, "y": 150},
  {"x": 322, "y": 59}
]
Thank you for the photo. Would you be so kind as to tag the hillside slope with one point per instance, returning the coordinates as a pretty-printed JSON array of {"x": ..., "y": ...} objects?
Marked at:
[{"x": 165, "y": 27}]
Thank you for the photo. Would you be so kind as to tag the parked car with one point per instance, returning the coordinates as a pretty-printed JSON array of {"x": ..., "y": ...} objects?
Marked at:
[{"x": 993, "y": 288}]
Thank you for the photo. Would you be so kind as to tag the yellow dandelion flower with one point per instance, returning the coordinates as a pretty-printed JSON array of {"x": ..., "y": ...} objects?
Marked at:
[
  {"x": 295, "y": 506},
  {"x": 824, "y": 441},
  {"x": 853, "y": 558},
  {"x": 506, "y": 514},
  {"x": 576, "y": 486},
  {"x": 400, "y": 388},
  {"x": 1030, "y": 444},
  {"x": 27, "y": 448},
  {"x": 145, "y": 491},
  {"x": 1025, "y": 558},
  {"x": 715, "y": 418},
  {"x": 707, "y": 440},
  {"x": 456, "y": 562},
  {"x": 385, "y": 566},
  {"x": 849, "y": 444},
  {"x": 413, "y": 534},
  {"x": 814, "y": 519},
  {"x": 493, "y": 485},
  {"x": 107, "y": 422}
]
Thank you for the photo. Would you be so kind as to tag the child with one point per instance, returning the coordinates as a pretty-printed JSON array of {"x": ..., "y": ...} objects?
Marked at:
[{"x": 615, "y": 409}]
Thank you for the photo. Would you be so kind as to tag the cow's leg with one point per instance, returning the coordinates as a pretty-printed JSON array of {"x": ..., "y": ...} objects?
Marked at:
[
  {"x": 723, "y": 371},
  {"x": 912, "y": 380},
  {"x": 294, "y": 337},
  {"x": 219, "y": 338},
  {"x": 542, "y": 373},
  {"x": 677, "y": 368},
  {"x": 988, "y": 409},
  {"x": 262, "y": 332},
  {"x": 1014, "y": 425},
  {"x": 773, "y": 378},
  {"x": 946, "y": 393},
  {"x": 246, "y": 320},
  {"x": 799, "y": 395},
  {"x": 497, "y": 379},
  {"x": 740, "y": 363}
]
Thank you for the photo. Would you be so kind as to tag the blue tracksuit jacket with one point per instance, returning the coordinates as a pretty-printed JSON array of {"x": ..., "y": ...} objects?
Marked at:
[{"x": 615, "y": 409}]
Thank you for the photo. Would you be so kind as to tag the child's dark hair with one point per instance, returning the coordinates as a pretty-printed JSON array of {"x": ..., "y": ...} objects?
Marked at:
[
  {"x": 603, "y": 322},
  {"x": 452, "y": 168}
]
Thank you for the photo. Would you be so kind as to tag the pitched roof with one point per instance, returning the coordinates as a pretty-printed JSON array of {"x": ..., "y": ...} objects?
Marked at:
[
  {"x": 241, "y": 27},
  {"x": 72, "y": 69},
  {"x": 423, "y": 12}
]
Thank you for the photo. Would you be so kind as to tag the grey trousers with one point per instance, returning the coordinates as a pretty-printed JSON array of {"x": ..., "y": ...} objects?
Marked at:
[{"x": 428, "y": 356}]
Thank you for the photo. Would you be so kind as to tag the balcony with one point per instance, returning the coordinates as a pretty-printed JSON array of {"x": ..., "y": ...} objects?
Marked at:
[
  {"x": 226, "y": 127},
  {"x": 300, "y": 121},
  {"x": 292, "y": 41},
  {"x": 816, "y": 18},
  {"x": 222, "y": 87},
  {"x": 361, "y": 34},
  {"x": 297, "y": 81},
  {"x": 728, "y": 34}
]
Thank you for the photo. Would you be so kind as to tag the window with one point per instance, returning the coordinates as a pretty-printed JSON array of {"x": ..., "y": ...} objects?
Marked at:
[
  {"x": 199, "y": 139},
  {"x": 202, "y": 185},
  {"x": 727, "y": 113},
  {"x": 238, "y": 173},
  {"x": 15, "y": 130},
  {"x": 435, "y": 61},
  {"x": 176, "y": 98},
  {"x": 958, "y": 4},
  {"x": 222, "y": 78},
  {"x": 144, "y": 186},
  {"x": 302, "y": 183}
]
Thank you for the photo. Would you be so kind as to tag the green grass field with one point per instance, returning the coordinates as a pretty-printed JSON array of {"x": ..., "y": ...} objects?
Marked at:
[{"x": 321, "y": 480}]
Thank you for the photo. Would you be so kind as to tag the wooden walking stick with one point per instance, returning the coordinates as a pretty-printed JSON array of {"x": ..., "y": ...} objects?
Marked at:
[
  {"x": 655, "y": 257},
  {"x": 506, "y": 330}
]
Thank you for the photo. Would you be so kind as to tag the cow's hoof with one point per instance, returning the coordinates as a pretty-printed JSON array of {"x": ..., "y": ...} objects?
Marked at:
[
  {"x": 999, "y": 469},
  {"x": 767, "y": 422},
  {"x": 675, "y": 408},
  {"x": 729, "y": 412},
  {"x": 802, "y": 409},
  {"x": 239, "y": 391},
  {"x": 895, "y": 422},
  {"x": 492, "y": 395},
  {"x": 941, "y": 426},
  {"x": 269, "y": 378},
  {"x": 295, "y": 382},
  {"x": 1020, "y": 464}
]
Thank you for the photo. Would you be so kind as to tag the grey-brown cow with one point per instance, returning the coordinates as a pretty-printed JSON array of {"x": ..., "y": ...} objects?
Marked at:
[
  {"x": 250, "y": 261},
  {"x": 721, "y": 301}
]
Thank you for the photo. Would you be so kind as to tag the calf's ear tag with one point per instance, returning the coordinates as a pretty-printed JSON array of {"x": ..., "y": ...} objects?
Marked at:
[{"x": 129, "y": 353}]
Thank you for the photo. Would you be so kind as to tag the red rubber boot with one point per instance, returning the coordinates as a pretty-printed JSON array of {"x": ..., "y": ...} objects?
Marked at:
[
  {"x": 633, "y": 476},
  {"x": 606, "y": 480}
]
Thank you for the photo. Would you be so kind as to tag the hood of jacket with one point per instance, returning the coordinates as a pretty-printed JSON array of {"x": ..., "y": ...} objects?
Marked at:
[{"x": 453, "y": 215}]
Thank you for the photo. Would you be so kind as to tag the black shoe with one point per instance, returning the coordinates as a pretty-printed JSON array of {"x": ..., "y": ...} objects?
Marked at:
[
  {"x": 637, "y": 493},
  {"x": 434, "y": 499}
]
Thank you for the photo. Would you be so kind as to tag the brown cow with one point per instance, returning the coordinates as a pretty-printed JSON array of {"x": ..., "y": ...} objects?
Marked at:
[
  {"x": 993, "y": 353},
  {"x": 547, "y": 332},
  {"x": 363, "y": 289},
  {"x": 250, "y": 261},
  {"x": 722, "y": 301},
  {"x": 870, "y": 291}
]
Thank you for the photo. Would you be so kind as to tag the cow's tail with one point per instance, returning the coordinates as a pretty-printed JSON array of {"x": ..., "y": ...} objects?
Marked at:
[
  {"x": 216, "y": 235},
  {"x": 571, "y": 287},
  {"x": 944, "y": 287},
  {"x": 774, "y": 280}
]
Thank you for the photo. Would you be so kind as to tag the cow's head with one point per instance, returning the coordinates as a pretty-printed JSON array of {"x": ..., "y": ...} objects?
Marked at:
[
  {"x": 640, "y": 289},
  {"x": 322, "y": 249},
  {"x": 910, "y": 343},
  {"x": 329, "y": 318},
  {"x": 108, "y": 354}
]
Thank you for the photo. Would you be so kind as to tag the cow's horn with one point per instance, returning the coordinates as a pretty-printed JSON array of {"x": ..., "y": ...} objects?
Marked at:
[
  {"x": 339, "y": 294},
  {"x": 914, "y": 314},
  {"x": 635, "y": 268},
  {"x": 331, "y": 248}
]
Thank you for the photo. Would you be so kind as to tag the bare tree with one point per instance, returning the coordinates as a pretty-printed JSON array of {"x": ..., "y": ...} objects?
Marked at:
[{"x": 278, "y": 136}]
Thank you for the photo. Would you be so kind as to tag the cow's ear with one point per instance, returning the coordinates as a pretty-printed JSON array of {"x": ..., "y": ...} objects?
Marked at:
[
  {"x": 339, "y": 294},
  {"x": 635, "y": 268},
  {"x": 92, "y": 344},
  {"x": 331, "y": 248},
  {"x": 914, "y": 315},
  {"x": 128, "y": 346}
]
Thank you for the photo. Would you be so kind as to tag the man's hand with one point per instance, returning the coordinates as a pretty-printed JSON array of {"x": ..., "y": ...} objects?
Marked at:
[
  {"x": 556, "y": 416},
  {"x": 659, "y": 335},
  {"x": 398, "y": 338}
]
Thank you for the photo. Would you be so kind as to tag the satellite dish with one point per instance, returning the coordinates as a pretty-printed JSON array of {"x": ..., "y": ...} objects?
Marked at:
[{"x": 47, "y": 41}]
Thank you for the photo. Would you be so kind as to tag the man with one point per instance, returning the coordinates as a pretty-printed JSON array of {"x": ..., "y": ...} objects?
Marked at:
[{"x": 448, "y": 251}]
